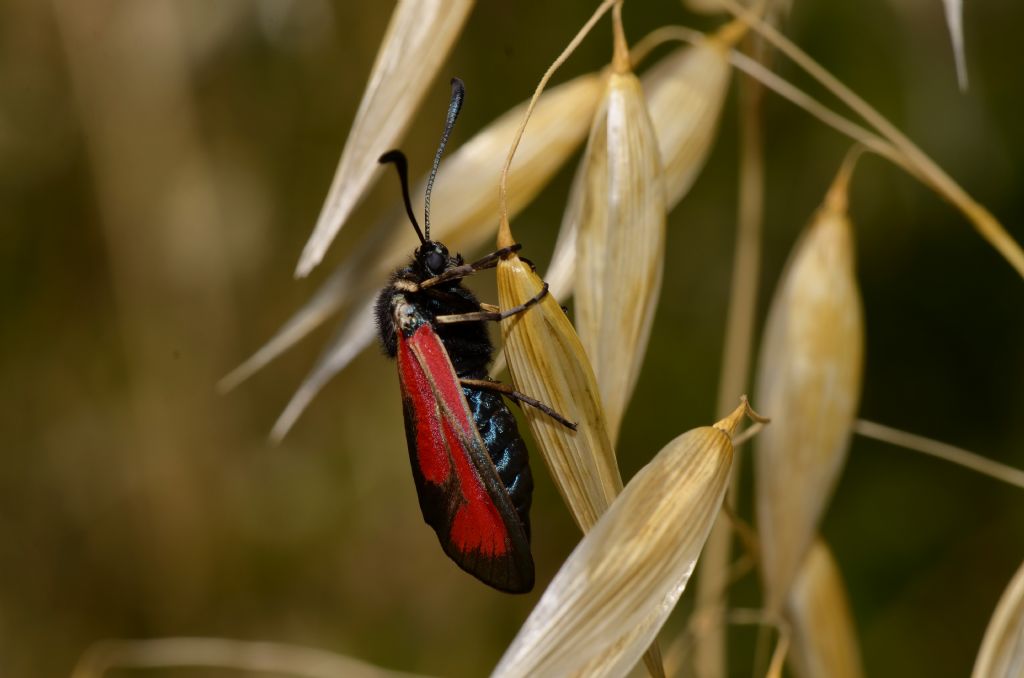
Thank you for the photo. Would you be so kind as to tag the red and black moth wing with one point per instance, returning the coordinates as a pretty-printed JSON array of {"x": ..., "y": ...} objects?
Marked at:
[{"x": 459, "y": 490}]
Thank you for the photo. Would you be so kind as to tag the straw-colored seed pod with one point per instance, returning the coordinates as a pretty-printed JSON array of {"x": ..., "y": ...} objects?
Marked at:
[
  {"x": 1002, "y": 650},
  {"x": 548, "y": 363},
  {"x": 809, "y": 377},
  {"x": 685, "y": 93},
  {"x": 618, "y": 202},
  {"x": 824, "y": 643},
  {"x": 418, "y": 39},
  {"x": 612, "y": 595}
]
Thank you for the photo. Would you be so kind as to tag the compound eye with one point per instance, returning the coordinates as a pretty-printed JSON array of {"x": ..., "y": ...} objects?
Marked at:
[{"x": 435, "y": 262}]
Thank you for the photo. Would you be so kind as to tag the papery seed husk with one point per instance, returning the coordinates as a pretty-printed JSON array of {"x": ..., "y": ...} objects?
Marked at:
[
  {"x": 809, "y": 378},
  {"x": 418, "y": 38},
  {"x": 685, "y": 93},
  {"x": 618, "y": 586},
  {"x": 548, "y": 363},
  {"x": 1002, "y": 649},
  {"x": 619, "y": 202},
  {"x": 824, "y": 642}
]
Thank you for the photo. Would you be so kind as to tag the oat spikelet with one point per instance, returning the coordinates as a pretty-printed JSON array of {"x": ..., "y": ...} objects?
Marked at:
[
  {"x": 685, "y": 92},
  {"x": 809, "y": 376},
  {"x": 618, "y": 201},
  {"x": 1002, "y": 650},
  {"x": 548, "y": 363},
  {"x": 612, "y": 595},
  {"x": 824, "y": 642},
  {"x": 417, "y": 41}
]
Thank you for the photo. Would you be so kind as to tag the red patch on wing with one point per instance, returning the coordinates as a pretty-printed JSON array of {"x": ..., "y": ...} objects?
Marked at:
[{"x": 446, "y": 437}]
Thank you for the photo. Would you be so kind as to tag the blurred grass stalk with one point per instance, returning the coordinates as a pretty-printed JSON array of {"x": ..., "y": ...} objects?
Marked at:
[
  {"x": 712, "y": 582},
  {"x": 224, "y": 653},
  {"x": 160, "y": 218}
]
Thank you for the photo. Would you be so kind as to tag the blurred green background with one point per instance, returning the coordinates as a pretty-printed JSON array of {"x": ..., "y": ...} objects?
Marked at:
[{"x": 161, "y": 165}]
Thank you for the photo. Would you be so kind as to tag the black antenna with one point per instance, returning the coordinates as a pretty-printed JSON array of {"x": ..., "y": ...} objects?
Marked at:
[
  {"x": 458, "y": 94},
  {"x": 397, "y": 158}
]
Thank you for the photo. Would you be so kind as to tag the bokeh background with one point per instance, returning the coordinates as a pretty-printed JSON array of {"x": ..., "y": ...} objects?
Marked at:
[{"x": 161, "y": 165}]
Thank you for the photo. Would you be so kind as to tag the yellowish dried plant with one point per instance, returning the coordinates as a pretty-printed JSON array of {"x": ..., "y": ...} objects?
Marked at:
[
  {"x": 548, "y": 362},
  {"x": 617, "y": 207},
  {"x": 617, "y": 588},
  {"x": 1002, "y": 649},
  {"x": 685, "y": 94},
  {"x": 823, "y": 635},
  {"x": 809, "y": 377}
]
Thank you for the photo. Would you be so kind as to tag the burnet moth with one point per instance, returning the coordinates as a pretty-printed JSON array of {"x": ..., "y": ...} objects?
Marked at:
[{"x": 468, "y": 460}]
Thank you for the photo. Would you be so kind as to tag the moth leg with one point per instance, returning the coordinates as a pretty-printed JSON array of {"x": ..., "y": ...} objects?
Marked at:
[
  {"x": 490, "y": 261},
  {"x": 510, "y": 392},
  {"x": 477, "y": 316}
]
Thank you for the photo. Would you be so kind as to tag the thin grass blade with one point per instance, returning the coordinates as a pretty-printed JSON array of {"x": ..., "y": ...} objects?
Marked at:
[
  {"x": 355, "y": 333},
  {"x": 418, "y": 39},
  {"x": 955, "y": 20}
]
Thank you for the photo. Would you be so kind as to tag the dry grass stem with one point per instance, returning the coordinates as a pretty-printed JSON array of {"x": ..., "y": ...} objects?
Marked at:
[
  {"x": 356, "y": 332},
  {"x": 616, "y": 589},
  {"x": 736, "y": 356},
  {"x": 824, "y": 635},
  {"x": 224, "y": 653},
  {"x": 418, "y": 39},
  {"x": 504, "y": 232},
  {"x": 619, "y": 206},
  {"x": 924, "y": 167},
  {"x": 809, "y": 375},
  {"x": 1002, "y": 649},
  {"x": 956, "y": 455}
]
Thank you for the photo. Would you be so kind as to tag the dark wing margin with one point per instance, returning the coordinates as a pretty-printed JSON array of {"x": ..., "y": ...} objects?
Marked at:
[{"x": 459, "y": 490}]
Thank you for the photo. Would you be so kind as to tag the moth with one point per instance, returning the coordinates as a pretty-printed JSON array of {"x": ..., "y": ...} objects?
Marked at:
[{"x": 469, "y": 462}]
